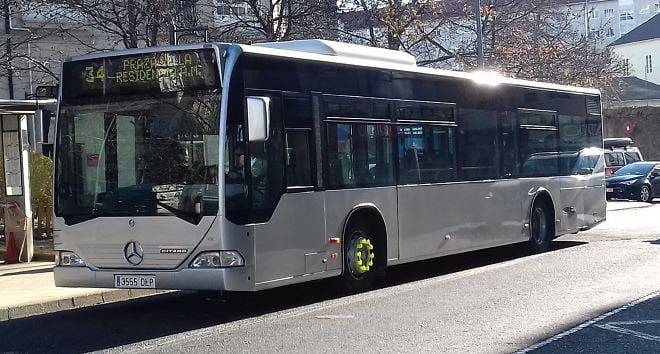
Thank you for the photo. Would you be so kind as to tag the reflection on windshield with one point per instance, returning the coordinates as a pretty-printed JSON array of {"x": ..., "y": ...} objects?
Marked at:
[
  {"x": 585, "y": 161},
  {"x": 141, "y": 157},
  {"x": 633, "y": 169}
]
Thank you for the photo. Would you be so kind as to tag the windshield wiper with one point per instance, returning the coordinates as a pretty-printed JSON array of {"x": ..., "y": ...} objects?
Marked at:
[{"x": 190, "y": 217}]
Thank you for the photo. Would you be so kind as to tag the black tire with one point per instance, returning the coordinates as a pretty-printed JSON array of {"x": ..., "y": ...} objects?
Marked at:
[
  {"x": 359, "y": 277},
  {"x": 541, "y": 227},
  {"x": 645, "y": 194}
]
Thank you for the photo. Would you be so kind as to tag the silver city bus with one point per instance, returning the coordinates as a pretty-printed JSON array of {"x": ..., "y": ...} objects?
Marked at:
[{"x": 240, "y": 168}]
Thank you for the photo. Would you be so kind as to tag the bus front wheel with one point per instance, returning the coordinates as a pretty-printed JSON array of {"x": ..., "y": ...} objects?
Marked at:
[{"x": 359, "y": 256}]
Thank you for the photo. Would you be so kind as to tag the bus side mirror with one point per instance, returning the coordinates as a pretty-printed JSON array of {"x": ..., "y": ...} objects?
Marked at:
[
  {"x": 258, "y": 110},
  {"x": 585, "y": 171}
]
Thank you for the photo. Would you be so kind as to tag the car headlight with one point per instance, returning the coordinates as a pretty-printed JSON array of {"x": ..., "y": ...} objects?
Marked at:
[
  {"x": 627, "y": 183},
  {"x": 218, "y": 259},
  {"x": 68, "y": 259}
]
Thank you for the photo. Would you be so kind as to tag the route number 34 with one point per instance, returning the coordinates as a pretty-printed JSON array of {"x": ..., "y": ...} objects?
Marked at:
[{"x": 94, "y": 73}]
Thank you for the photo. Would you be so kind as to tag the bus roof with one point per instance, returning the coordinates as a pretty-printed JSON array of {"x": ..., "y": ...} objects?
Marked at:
[
  {"x": 354, "y": 55},
  {"x": 369, "y": 60}
]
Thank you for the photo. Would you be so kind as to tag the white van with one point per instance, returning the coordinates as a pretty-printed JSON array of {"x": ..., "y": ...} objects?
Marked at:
[{"x": 618, "y": 153}]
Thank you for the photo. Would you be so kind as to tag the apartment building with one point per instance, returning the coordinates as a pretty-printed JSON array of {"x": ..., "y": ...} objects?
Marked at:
[
  {"x": 608, "y": 20},
  {"x": 639, "y": 50},
  {"x": 33, "y": 49}
]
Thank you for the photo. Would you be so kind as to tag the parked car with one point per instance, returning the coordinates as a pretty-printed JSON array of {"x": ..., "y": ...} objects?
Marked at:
[
  {"x": 618, "y": 153},
  {"x": 636, "y": 181}
]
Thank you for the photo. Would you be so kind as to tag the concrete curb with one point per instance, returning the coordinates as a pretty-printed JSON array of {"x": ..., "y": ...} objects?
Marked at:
[
  {"x": 103, "y": 297},
  {"x": 36, "y": 257}
]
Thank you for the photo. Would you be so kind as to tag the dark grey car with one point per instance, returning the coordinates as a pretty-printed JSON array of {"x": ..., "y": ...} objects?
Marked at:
[{"x": 636, "y": 181}]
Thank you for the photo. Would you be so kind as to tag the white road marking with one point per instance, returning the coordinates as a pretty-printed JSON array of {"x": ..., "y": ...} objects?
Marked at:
[
  {"x": 587, "y": 324},
  {"x": 614, "y": 327},
  {"x": 335, "y": 317}
]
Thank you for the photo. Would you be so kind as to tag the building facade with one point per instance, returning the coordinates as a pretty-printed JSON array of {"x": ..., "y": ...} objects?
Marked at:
[
  {"x": 639, "y": 50},
  {"x": 608, "y": 20}
]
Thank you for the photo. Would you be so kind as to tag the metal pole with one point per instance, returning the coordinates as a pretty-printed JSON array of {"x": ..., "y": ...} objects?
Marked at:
[
  {"x": 480, "y": 45},
  {"x": 586, "y": 18}
]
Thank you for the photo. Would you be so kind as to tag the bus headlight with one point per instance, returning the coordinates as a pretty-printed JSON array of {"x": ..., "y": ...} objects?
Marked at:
[
  {"x": 68, "y": 259},
  {"x": 218, "y": 259}
]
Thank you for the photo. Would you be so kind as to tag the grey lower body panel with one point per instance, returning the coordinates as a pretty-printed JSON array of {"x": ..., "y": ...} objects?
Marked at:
[{"x": 231, "y": 279}]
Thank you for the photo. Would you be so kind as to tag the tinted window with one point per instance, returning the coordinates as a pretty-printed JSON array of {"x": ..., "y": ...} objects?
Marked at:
[
  {"x": 538, "y": 151},
  {"x": 298, "y": 140},
  {"x": 297, "y": 112},
  {"x": 632, "y": 156},
  {"x": 425, "y": 111},
  {"x": 594, "y": 131},
  {"x": 354, "y": 107},
  {"x": 359, "y": 155},
  {"x": 426, "y": 154},
  {"x": 573, "y": 135},
  {"x": 614, "y": 159},
  {"x": 299, "y": 169},
  {"x": 257, "y": 165},
  {"x": 507, "y": 145},
  {"x": 477, "y": 144},
  {"x": 536, "y": 118},
  {"x": 539, "y": 143}
]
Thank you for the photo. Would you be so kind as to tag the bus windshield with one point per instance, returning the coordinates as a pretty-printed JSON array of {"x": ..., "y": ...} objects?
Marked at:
[
  {"x": 142, "y": 157},
  {"x": 149, "y": 153}
]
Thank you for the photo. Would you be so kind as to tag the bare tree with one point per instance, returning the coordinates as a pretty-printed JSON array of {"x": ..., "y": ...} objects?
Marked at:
[
  {"x": 22, "y": 57},
  {"x": 531, "y": 39},
  {"x": 275, "y": 20},
  {"x": 392, "y": 24},
  {"x": 133, "y": 23}
]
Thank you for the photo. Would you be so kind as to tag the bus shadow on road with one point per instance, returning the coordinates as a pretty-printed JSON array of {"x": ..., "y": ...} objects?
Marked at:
[
  {"x": 146, "y": 319},
  {"x": 456, "y": 263}
]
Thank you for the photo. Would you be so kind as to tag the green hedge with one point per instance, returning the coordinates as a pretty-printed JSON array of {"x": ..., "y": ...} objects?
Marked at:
[
  {"x": 41, "y": 180},
  {"x": 41, "y": 177}
]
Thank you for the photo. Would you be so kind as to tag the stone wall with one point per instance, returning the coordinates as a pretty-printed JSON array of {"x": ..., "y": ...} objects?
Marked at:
[{"x": 645, "y": 124}]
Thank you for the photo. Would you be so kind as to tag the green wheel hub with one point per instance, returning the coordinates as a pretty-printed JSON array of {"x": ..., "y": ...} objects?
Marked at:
[{"x": 360, "y": 255}]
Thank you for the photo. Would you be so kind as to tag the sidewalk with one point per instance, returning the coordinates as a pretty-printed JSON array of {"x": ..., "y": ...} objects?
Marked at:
[{"x": 28, "y": 289}]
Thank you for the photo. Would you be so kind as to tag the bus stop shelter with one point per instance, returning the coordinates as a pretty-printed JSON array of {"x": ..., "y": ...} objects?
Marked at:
[{"x": 24, "y": 126}]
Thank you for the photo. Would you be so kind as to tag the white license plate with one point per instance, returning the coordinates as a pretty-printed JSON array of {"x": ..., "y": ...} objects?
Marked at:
[
  {"x": 135, "y": 281},
  {"x": 609, "y": 190}
]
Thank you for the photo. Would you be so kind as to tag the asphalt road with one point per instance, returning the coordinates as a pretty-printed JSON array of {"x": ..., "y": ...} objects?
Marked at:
[{"x": 594, "y": 292}]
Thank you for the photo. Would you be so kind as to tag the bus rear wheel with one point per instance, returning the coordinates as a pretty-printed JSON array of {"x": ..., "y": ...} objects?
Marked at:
[
  {"x": 541, "y": 227},
  {"x": 359, "y": 256}
]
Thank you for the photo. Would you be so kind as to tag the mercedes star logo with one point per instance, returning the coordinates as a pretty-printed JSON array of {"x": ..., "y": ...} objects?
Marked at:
[{"x": 133, "y": 253}]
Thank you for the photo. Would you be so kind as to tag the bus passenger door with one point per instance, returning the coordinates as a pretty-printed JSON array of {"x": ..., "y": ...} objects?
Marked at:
[
  {"x": 509, "y": 206},
  {"x": 292, "y": 241}
]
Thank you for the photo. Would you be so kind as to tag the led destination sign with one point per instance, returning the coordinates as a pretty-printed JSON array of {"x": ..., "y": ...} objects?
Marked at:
[{"x": 142, "y": 73}]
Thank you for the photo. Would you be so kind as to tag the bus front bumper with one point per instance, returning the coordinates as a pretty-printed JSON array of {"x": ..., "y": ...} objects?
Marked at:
[{"x": 229, "y": 279}]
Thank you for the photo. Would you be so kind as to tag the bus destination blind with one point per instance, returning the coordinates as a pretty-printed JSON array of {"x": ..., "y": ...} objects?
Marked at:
[{"x": 142, "y": 73}]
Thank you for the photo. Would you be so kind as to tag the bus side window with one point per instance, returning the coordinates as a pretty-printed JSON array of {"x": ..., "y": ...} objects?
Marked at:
[
  {"x": 298, "y": 158},
  {"x": 298, "y": 141}
]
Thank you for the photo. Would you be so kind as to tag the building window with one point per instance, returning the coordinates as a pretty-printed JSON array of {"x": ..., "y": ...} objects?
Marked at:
[
  {"x": 625, "y": 63},
  {"x": 657, "y": 6},
  {"x": 608, "y": 13},
  {"x": 649, "y": 64},
  {"x": 610, "y": 32},
  {"x": 239, "y": 10},
  {"x": 626, "y": 15},
  {"x": 645, "y": 10},
  {"x": 594, "y": 13}
]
